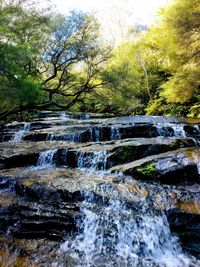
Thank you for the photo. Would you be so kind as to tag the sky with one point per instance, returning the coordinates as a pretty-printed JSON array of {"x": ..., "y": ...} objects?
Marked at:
[{"x": 115, "y": 15}]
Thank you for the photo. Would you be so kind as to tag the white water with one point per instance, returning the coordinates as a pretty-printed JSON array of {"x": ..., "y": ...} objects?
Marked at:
[
  {"x": 115, "y": 134},
  {"x": 72, "y": 137},
  {"x": 46, "y": 159},
  {"x": 18, "y": 137},
  {"x": 95, "y": 134},
  {"x": 69, "y": 137},
  {"x": 196, "y": 127},
  {"x": 64, "y": 116},
  {"x": 50, "y": 137},
  {"x": 113, "y": 234},
  {"x": 84, "y": 117},
  {"x": 178, "y": 130},
  {"x": 92, "y": 160},
  {"x": 197, "y": 140},
  {"x": 116, "y": 235}
]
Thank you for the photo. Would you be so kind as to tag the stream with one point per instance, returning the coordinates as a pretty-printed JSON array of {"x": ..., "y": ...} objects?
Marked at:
[{"x": 96, "y": 191}]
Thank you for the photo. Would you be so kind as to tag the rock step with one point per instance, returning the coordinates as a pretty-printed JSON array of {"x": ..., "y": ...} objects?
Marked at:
[
  {"x": 45, "y": 207},
  {"x": 187, "y": 227},
  {"x": 39, "y": 210},
  {"x": 48, "y": 204},
  {"x": 82, "y": 132},
  {"x": 107, "y": 133},
  {"x": 177, "y": 167},
  {"x": 47, "y": 221},
  {"x": 118, "y": 152}
]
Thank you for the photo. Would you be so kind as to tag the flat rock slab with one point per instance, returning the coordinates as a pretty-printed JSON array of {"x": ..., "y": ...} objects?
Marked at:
[
  {"x": 175, "y": 167},
  {"x": 67, "y": 153},
  {"x": 149, "y": 166}
]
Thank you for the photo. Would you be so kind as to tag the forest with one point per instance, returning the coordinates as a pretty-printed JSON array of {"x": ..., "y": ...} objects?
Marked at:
[
  {"x": 52, "y": 62},
  {"x": 99, "y": 133}
]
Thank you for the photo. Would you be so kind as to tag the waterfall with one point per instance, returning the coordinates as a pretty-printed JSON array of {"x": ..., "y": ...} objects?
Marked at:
[
  {"x": 69, "y": 137},
  {"x": 177, "y": 130},
  {"x": 114, "y": 234},
  {"x": 95, "y": 134},
  {"x": 64, "y": 116},
  {"x": 92, "y": 160},
  {"x": 72, "y": 137},
  {"x": 114, "y": 133},
  {"x": 50, "y": 137},
  {"x": 163, "y": 131},
  {"x": 196, "y": 127},
  {"x": 18, "y": 137},
  {"x": 84, "y": 117},
  {"x": 46, "y": 159},
  {"x": 197, "y": 141}
]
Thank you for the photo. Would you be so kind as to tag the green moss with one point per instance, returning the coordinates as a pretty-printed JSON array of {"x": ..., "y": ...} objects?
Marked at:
[
  {"x": 127, "y": 153},
  {"x": 148, "y": 170}
]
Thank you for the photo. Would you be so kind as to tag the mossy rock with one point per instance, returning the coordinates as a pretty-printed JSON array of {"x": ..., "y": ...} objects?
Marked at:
[
  {"x": 147, "y": 170},
  {"x": 126, "y": 154}
]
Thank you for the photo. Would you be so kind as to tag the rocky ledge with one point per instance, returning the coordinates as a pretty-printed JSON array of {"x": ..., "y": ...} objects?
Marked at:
[{"x": 51, "y": 168}]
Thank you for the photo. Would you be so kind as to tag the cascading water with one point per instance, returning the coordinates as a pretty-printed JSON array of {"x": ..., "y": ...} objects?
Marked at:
[
  {"x": 95, "y": 134},
  {"x": 197, "y": 139},
  {"x": 64, "y": 116},
  {"x": 92, "y": 160},
  {"x": 72, "y": 137},
  {"x": 46, "y": 159},
  {"x": 84, "y": 116},
  {"x": 50, "y": 137},
  {"x": 114, "y": 133},
  {"x": 170, "y": 129},
  {"x": 196, "y": 127},
  {"x": 113, "y": 233},
  {"x": 18, "y": 137},
  {"x": 178, "y": 130},
  {"x": 106, "y": 219}
]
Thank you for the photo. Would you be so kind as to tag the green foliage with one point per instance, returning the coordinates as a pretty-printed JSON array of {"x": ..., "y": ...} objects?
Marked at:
[
  {"x": 155, "y": 108},
  {"x": 47, "y": 60},
  {"x": 179, "y": 23},
  {"x": 22, "y": 116},
  {"x": 50, "y": 60},
  {"x": 22, "y": 33},
  {"x": 194, "y": 110},
  {"x": 125, "y": 91},
  {"x": 161, "y": 107},
  {"x": 148, "y": 170},
  {"x": 160, "y": 68}
]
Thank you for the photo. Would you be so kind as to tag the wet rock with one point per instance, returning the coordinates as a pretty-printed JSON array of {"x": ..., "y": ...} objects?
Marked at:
[
  {"x": 5, "y": 137},
  {"x": 45, "y": 221},
  {"x": 125, "y": 153},
  {"x": 44, "y": 192},
  {"x": 20, "y": 160},
  {"x": 27, "y": 153},
  {"x": 187, "y": 227},
  {"x": 192, "y": 131},
  {"x": 50, "y": 215},
  {"x": 36, "y": 137},
  {"x": 45, "y": 202},
  {"x": 169, "y": 168}
]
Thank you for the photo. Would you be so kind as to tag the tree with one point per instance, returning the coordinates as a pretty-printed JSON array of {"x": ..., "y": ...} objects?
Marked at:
[
  {"x": 47, "y": 61},
  {"x": 72, "y": 59},
  {"x": 134, "y": 74},
  {"x": 22, "y": 33},
  {"x": 179, "y": 26},
  {"x": 124, "y": 92},
  {"x": 170, "y": 49}
]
